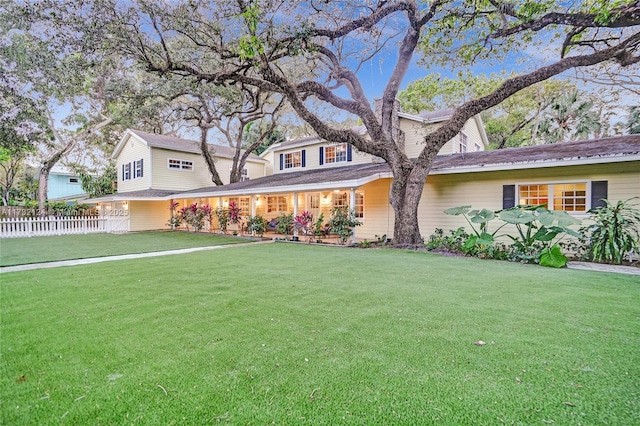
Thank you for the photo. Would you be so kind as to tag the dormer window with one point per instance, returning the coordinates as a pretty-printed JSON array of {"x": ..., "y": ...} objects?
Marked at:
[
  {"x": 293, "y": 160},
  {"x": 463, "y": 144}
]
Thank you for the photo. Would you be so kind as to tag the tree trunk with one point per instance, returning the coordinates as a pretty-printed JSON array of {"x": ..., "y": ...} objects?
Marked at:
[
  {"x": 405, "y": 194},
  {"x": 43, "y": 186},
  {"x": 208, "y": 158}
]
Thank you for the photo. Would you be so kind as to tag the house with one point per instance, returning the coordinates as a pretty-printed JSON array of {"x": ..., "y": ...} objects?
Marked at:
[
  {"x": 64, "y": 184},
  {"x": 316, "y": 175}
]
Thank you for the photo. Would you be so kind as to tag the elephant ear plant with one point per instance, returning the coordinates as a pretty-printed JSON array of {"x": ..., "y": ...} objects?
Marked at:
[
  {"x": 478, "y": 220},
  {"x": 538, "y": 226}
]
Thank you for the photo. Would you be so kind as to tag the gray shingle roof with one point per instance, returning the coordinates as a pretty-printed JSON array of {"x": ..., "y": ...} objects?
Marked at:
[{"x": 185, "y": 145}]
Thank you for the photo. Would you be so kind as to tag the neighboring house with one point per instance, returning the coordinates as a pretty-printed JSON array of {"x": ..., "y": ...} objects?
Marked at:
[
  {"x": 316, "y": 175},
  {"x": 64, "y": 184}
]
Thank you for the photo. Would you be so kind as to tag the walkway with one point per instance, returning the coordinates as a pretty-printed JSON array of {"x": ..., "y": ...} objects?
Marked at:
[{"x": 74, "y": 262}]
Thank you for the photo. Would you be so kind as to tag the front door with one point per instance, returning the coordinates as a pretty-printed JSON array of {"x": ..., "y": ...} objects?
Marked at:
[{"x": 313, "y": 205}]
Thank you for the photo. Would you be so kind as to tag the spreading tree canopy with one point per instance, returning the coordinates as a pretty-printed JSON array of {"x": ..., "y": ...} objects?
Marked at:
[{"x": 258, "y": 43}]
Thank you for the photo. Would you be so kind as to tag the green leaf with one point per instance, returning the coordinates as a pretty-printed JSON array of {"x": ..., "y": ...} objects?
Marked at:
[
  {"x": 485, "y": 239},
  {"x": 482, "y": 216},
  {"x": 456, "y": 211},
  {"x": 517, "y": 216},
  {"x": 553, "y": 257}
]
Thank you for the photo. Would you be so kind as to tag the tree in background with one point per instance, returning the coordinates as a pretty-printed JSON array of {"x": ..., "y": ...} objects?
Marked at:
[
  {"x": 633, "y": 122},
  {"x": 569, "y": 117},
  {"x": 258, "y": 43}
]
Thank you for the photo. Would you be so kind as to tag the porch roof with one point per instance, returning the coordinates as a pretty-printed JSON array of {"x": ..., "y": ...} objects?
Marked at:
[
  {"x": 143, "y": 195},
  {"x": 302, "y": 181}
]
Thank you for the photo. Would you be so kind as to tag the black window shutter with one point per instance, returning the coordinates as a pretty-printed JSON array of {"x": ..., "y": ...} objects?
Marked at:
[
  {"x": 321, "y": 155},
  {"x": 349, "y": 154},
  {"x": 141, "y": 167},
  {"x": 123, "y": 172},
  {"x": 599, "y": 191},
  {"x": 304, "y": 160},
  {"x": 281, "y": 161},
  {"x": 508, "y": 196}
]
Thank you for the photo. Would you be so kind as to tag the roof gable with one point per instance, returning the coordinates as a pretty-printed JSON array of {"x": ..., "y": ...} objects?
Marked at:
[{"x": 173, "y": 143}]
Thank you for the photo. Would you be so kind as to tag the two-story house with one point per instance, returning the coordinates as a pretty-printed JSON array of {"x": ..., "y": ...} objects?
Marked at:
[{"x": 316, "y": 175}]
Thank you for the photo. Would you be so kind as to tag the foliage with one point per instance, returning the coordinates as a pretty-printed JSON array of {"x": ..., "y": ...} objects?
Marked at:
[
  {"x": 633, "y": 121},
  {"x": 195, "y": 215},
  {"x": 222, "y": 215},
  {"x": 536, "y": 228},
  {"x": 342, "y": 223},
  {"x": 235, "y": 213},
  {"x": 569, "y": 117},
  {"x": 319, "y": 225},
  {"x": 284, "y": 225},
  {"x": 256, "y": 224},
  {"x": 303, "y": 223},
  {"x": 615, "y": 232},
  {"x": 176, "y": 219},
  {"x": 97, "y": 184}
]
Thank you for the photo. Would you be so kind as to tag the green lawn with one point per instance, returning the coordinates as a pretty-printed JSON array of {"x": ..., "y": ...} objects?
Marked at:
[
  {"x": 21, "y": 251},
  {"x": 297, "y": 334}
]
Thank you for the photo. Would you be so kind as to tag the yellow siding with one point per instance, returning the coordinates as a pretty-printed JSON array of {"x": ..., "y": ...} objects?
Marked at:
[
  {"x": 134, "y": 150},
  {"x": 378, "y": 213},
  {"x": 180, "y": 180},
  {"x": 484, "y": 190},
  {"x": 269, "y": 167},
  {"x": 415, "y": 133},
  {"x": 149, "y": 215}
]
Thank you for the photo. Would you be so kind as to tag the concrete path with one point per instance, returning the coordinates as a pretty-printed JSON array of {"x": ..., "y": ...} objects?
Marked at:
[
  {"x": 74, "y": 262},
  {"x": 599, "y": 267}
]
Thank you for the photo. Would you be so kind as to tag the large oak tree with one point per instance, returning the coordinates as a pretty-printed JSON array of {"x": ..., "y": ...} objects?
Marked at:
[{"x": 255, "y": 43}]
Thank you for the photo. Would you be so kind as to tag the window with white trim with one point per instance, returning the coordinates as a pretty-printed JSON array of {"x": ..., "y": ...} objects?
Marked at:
[
  {"x": 463, "y": 142},
  {"x": 137, "y": 173},
  {"x": 175, "y": 164},
  {"x": 126, "y": 171},
  {"x": 340, "y": 199},
  {"x": 359, "y": 207},
  {"x": 569, "y": 197},
  {"x": 335, "y": 153},
  {"x": 244, "y": 175},
  {"x": 277, "y": 203},
  {"x": 314, "y": 201},
  {"x": 293, "y": 159},
  {"x": 242, "y": 202}
]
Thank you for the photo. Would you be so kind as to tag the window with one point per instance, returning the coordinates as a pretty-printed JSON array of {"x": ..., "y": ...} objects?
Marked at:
[
  {"x": 244, "y": 175},
  {"x": 463, "y": 143},
  {"x": 335, "y": 153},
  {"x": 359, "y": 207},
  {"x": 570, "y": 197},
  {"x": 314, "y": 201},
  {"x": 293, "y": 159},
  {"x": 277, "y": 204},
  {"x": 126, "y": 171},
  {"x": 242, "y": 202},
  {"x": 74, "y": 180},
  {"x": 341, "y": 199},
  {"x": 478, "y": 147},
  {"x": 172, "y": 163},
  {"x": 137, "y": 173}
]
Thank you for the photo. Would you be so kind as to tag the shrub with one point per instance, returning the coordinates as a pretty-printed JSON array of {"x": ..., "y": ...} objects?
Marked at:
[
  {"x": 257, "y": 224},
  {"x": 285, "y": 224},
  {"x": 342, "y": 223},
  {"x": 615, "y": 233}
]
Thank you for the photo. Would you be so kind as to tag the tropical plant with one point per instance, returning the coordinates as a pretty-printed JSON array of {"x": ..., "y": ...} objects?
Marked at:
[
  {"x": 257, "y": 225},
  {"x": 537, "y": 227},
  {"x": 615, "y": 233},
  {"x": 342, "y": 223},
  {"x": 285, "y": 224},
  {"x": 196, "y": 216},
  {"x": 176, "y": 220},
  {"x": 481, "y": 238},
  {"x": 235, "y": 213},
  {"x": 319, "y": 225},
  {"x": 222, "y": 215},
  {"x": 569, "y": 118},
  {"x": 303, "y": 223}
]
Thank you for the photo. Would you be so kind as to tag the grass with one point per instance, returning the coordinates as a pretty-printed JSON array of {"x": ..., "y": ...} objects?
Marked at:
[
  {"x": 21, "y": 251},
  {"x": 296, "y": 334}
]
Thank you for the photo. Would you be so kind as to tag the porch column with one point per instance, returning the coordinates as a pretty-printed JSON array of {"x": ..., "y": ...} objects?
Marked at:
[
  {"x": 253, "y": 205},
  {"x": 352, "y": 208},
  {"x": 295, "y": 213}
]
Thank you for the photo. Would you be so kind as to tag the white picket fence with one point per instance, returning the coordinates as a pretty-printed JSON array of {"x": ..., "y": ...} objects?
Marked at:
[{"x": 54, "y": 225}]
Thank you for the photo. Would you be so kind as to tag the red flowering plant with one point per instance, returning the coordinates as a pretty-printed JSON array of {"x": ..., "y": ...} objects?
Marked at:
[
  {"x": 235, "y": 213},
  {"x": 195, "y": 215},
  {"x": 304, "y": 224}
]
